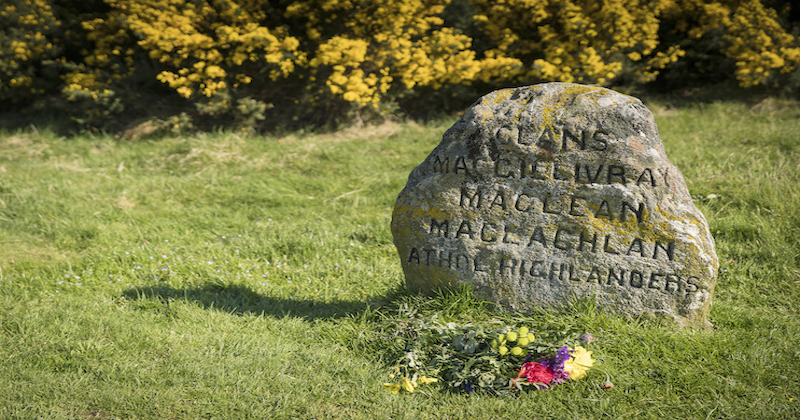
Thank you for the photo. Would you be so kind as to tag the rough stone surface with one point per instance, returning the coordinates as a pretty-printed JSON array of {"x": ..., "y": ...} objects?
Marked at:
[{"x": 543, "y": 194}]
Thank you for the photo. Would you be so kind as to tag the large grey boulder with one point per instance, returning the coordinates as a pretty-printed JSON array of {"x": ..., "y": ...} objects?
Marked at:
[{"x": 543, "y": 194}]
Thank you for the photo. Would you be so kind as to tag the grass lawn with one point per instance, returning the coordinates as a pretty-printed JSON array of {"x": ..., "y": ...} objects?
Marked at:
[{"x": 234, "y": 278}]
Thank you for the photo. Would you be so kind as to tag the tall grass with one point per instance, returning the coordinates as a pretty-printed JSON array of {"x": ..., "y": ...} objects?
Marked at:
[{"x": 222, "y": 277}]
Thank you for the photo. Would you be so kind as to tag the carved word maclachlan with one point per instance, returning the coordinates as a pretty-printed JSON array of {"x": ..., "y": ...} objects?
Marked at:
[{"x": 564, "y": 239}]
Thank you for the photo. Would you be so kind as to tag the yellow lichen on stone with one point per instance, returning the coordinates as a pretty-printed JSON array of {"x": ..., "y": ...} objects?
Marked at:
[
  {"x": 550, "y": 113},
  {"x": 501, "y": 95}
]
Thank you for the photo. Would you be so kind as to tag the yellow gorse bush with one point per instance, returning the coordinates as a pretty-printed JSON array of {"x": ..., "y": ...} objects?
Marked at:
[
  {"x": 752, "y": 34},
  {"x": 759, "y": 44},
  {"x": 26, "y": 29},
  {"x": 323, "y": 53},
  {"x": 576, "y": 41},
  {"x": 203, "y": 45},
  {"x": 383, "y": 44}
]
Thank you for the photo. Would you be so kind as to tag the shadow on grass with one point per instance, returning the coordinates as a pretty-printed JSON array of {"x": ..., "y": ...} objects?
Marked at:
[{"x": 241, "y": 300}]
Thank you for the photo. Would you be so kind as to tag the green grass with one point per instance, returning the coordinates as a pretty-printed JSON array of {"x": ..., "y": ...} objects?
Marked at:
[{"x": 221, "y": 277}]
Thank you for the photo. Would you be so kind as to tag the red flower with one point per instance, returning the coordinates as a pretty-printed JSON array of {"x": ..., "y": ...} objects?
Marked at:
[{"x": 537, "y": 373}]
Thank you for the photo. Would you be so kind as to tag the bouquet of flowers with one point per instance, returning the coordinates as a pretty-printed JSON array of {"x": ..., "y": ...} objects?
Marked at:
[{"x": 502, "y": 361}]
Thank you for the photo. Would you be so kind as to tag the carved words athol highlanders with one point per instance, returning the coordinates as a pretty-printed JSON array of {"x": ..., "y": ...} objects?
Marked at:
[{"x": 542, "y": 194}]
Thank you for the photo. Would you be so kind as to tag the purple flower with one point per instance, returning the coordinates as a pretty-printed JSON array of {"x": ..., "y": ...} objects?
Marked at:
[{"x": 556, "y": 363}]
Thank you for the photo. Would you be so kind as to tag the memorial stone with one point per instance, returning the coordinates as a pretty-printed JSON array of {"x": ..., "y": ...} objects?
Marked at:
[{"x": 543, "y": 194}]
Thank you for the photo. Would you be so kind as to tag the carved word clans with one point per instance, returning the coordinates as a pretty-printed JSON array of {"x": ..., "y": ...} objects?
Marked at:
[{"x": 558, "y": 138}]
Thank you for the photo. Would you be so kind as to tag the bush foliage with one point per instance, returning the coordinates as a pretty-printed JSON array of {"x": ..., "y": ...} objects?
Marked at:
[{"x": 251, "y": 63}]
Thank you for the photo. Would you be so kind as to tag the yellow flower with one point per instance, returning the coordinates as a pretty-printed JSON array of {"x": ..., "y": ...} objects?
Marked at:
[
  {"x": 427, "y": 380},
  {"x": 408, "y": 384},
  {"x": 579, "y": 363},
  {"x": 393, "y": 388}
]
